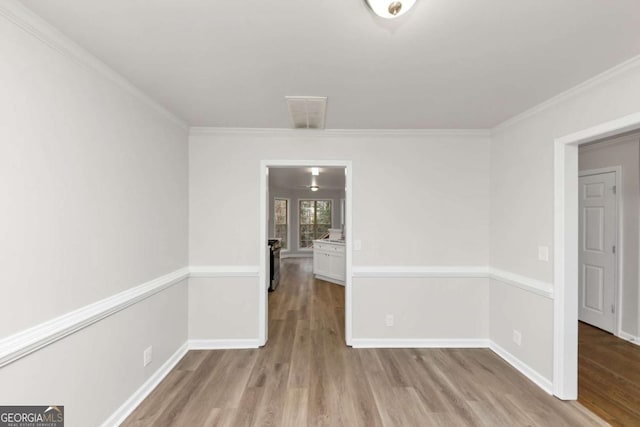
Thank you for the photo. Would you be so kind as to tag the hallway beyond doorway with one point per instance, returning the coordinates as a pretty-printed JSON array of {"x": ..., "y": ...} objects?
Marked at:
[{"x": 608, "y": 376}]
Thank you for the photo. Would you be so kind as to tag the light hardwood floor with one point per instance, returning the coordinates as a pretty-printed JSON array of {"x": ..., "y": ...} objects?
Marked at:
[
  {"x": 306, "y": 375},
  {"x": 609, "y": 376}
]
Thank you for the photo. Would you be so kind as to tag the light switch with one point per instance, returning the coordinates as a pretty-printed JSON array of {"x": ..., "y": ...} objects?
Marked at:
[
  {"x": 543, "y": 253},
  {"x": 357, "y": 245}
]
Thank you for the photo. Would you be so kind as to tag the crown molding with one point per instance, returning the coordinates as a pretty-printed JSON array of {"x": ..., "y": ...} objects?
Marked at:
[
  {"x": 609, "y": 74},
  {"x": 316, "y": 133},
  {"x": 31, "y": 23}
]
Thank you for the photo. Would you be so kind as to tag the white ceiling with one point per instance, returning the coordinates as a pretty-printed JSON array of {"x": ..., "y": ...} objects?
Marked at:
[
  {"x": 330, "y": 178},
  {"x": 445, "y": 64}
]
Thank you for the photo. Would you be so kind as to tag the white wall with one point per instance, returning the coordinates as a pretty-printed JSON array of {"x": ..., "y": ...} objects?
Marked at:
[
  {"x": 419, "y": 199},
  {"x": 294, "y": 196},
  {"x": 93, "y": 181},
  {"x": 437, "y": 309},
  {"x": 624, "y": 152},
  {"x": 522, "y": 197}
]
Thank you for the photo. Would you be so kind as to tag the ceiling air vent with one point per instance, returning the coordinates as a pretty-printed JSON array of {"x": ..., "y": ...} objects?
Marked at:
[{"x": 307, "y": 112}]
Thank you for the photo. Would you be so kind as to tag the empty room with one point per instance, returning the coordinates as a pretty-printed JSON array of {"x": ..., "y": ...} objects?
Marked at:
[{"x": 365, "y": 212}]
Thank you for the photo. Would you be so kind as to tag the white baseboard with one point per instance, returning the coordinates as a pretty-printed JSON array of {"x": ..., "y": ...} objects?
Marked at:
[
  {"x": 229, "y": 344},
  {"x": 418, "y": 343},
  {"x": 628, "y": 337},
  {"x": 136, "y": 398},
  {"x": 524, "y": 369}
]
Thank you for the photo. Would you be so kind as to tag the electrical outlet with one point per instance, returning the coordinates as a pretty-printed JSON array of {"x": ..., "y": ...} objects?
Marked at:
[
  {"x": 543, "y": 253},
  {"x": 147, "y": 356},
  {"x": 389, "y": 320},
  {"x": 517, "y": 337}
]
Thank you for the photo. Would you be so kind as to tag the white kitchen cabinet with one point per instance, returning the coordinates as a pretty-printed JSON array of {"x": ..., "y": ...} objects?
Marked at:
[{"x": 329, "y": 261}]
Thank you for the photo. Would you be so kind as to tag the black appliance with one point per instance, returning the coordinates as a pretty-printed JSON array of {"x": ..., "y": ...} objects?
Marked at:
[{"x": 274, "y": 263}]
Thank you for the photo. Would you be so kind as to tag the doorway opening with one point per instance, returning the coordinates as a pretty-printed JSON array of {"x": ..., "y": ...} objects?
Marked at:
[
  {"x": 302, "y": 201},
  {"x": 608, "y": 277},
  {"x": 566, "y": 257}
]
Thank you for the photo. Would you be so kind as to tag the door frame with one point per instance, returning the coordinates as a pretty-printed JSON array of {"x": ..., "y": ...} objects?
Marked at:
[
  {"x": 263, "y": 300},
  {"x": 618, "y": 282},
  {"x": 565, "y": 303}
]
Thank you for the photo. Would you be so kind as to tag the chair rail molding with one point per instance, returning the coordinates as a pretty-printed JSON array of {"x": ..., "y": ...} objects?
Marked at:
[
  {"x": 26, "y": 342},
  {"x": 481, "y": 272}
]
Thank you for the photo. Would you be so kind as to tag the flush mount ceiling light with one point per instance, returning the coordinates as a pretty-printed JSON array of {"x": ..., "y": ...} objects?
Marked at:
[
  {"x": 315, "y": 171},
  {"x": 389, "y": 8},
  {"x": 314, "y": 187}
]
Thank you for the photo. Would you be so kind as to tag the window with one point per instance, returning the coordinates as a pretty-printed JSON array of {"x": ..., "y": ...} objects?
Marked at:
[
  {"x": 281, "y": 221},
  {"x": 315, "y": 220}
]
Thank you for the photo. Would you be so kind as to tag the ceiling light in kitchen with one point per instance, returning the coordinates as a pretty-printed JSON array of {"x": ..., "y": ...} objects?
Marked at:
[{"x": 315, "y": 171}]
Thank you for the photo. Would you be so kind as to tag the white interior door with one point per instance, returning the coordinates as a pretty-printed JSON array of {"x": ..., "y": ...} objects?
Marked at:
[{"x": 598, "y": 239}]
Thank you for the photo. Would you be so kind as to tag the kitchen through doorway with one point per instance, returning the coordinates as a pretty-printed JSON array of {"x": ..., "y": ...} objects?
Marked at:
[{"x": 306, "y": 238}]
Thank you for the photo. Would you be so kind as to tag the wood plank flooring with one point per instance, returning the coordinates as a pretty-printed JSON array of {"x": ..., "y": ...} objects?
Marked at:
[
  {"x": 307, "y": 376},
  {"x": 609, "y": 376}
]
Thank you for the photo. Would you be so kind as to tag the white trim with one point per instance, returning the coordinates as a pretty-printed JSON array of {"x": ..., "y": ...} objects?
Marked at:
[
  {"x": 224, "y": 271},
  {"x": 420, "y": 343},
  {"x": 565, "y": 325},
  {"x": 149, "y": 385},
  {"x": 262, "y": 237},
  {"x": 24, "y": 18},
  {"x": 522, "y": 367},
  {"x": 528, "y": 284},
  {"x": 532, "y": 285},
  {"x": 627, "y": 139},
  {"x": 628, "y": 123},
  {"x": 618, "y": 285},
  {"x": 574, "y": 91},
  {"x": 348, "y": 292},
  {"x": 227, "y": 344},
  {"x": 599, "y": 171},
  {"x": 420, "y": 271},
  {"x": 628, "y": 337},
  {"x": 203, "y": 130},
  {"x": 23, "y": 343}
]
